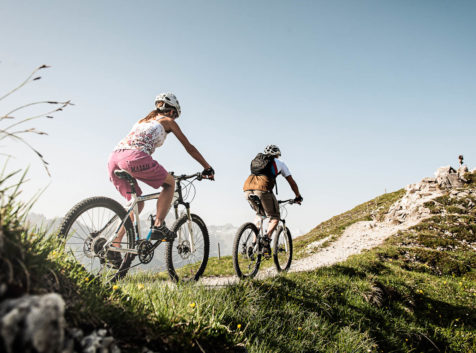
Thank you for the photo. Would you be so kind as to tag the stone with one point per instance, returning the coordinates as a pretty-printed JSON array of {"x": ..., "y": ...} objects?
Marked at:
[
  {"x": 33, "y": 323},
  {"x": 448, "y": 177},
  {"x": 98, "y": 341}
]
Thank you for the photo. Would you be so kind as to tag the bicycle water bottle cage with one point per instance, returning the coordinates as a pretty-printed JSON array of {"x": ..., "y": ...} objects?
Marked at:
[{"x": 122, "y": 174}]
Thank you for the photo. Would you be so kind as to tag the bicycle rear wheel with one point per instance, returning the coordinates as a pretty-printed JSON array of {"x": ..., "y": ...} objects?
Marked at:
[
  {"x": 187, "y": 256},
  {"x": 246, "y": 259},
  {"x": 85, "y": 229},
  {"x": 283, "y": 249}
]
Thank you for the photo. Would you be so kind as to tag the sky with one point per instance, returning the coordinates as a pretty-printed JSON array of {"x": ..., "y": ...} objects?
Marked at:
[{"x": 362, "y": 97}]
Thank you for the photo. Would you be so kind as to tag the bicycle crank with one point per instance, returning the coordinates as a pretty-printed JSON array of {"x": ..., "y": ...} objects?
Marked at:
[{"x": 145, "y": 251}]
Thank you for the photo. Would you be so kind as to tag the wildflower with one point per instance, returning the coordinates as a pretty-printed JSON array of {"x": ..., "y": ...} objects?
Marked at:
[
  {"x": 406, "y": 339},
  {"x": 299, "y": 328},
  {"x": 115, "y": 287},
  {"x": 140, "y": 286},
  {"x": 238, "y": 326},
  {"x": 86, "y": 279},
  {"x": 192, "y": 305},
  {"x": 444, "y": 282},
  {"x": 53, "y": 253}
]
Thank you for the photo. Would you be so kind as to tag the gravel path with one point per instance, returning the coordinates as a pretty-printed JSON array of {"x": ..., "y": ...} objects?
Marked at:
[{"x": 404, "y": 214}]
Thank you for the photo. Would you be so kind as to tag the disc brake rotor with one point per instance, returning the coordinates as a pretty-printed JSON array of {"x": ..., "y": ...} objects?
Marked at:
[{"x": 183, "y": 249}]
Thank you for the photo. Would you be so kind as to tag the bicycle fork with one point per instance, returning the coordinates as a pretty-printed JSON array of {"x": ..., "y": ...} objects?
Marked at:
[{"x": 190, "y": 229}]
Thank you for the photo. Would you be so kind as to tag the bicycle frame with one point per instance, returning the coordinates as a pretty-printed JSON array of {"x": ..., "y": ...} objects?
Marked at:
[
  {"x": 281, "y": 220},
  {"x": 134, "y": 210}
]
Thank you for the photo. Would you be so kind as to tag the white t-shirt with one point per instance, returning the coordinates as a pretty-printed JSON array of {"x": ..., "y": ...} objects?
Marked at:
[
  {"x": 144, "y": 137},
  {"x": 280, "y": 167}
]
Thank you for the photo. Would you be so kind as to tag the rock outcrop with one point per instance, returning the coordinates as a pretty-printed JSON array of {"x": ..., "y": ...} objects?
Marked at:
[{"x": 411, "y": 205}]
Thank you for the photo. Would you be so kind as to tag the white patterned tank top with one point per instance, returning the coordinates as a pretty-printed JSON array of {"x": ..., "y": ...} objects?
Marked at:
[{"x": 144, "y": 137}]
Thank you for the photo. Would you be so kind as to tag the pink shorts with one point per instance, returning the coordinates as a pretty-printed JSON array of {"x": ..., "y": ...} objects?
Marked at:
[{"x": 138, "y": 164}]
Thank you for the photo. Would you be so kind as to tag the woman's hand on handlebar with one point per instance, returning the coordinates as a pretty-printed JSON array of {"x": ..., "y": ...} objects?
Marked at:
[{"x": 208, "y": 173}]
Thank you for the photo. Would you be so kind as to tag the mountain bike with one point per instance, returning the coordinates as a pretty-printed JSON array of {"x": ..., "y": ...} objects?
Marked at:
[
  {"x": 248, "y": 249},
  {"x": 92, "y": 225}
]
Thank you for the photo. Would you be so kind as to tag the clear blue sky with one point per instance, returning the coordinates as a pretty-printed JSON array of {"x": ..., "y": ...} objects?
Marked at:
[{"x": 361, "y": 96}]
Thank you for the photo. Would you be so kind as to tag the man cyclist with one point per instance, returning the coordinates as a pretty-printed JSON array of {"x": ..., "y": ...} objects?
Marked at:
[{"x": 264, "y": 169}]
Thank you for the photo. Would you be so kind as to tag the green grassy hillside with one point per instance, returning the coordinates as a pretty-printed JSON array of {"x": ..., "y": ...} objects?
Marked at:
[
  {"x": 415, "y": 293},
  {"x": 330, "y": 230}
]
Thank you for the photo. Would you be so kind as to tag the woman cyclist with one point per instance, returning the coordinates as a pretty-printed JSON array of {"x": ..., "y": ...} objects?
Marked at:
[{"x": 134, "y": 155}]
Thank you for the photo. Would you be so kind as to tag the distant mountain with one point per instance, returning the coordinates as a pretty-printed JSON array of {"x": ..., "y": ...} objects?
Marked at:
[{"x": 39, "y": 221}]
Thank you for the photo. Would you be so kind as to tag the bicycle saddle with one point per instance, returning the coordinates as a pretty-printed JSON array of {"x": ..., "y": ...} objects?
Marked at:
[{"x": 122, "y": 174}]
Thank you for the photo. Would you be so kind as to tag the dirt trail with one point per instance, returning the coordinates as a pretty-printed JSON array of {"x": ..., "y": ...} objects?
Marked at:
[{"x": 404, "y": 214}]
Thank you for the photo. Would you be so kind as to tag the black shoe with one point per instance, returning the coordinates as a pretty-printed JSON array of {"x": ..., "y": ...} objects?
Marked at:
[
  {"x": 266, "y": 247},
  {"x": 162, "y": 233},
  {"x": 113, "y": 259}
]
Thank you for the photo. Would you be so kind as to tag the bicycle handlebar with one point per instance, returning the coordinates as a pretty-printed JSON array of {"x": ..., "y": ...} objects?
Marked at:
[
  {"x": 290, "y": 201},
  {"x": 185, "y": 177}
]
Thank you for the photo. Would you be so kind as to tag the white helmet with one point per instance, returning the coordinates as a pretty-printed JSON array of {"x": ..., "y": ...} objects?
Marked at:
[
  {"x": 170, "y": 99},
  {"x": 272, "y": 150}
]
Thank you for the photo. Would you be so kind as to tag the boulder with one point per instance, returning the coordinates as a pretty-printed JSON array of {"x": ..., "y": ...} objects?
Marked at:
[
  {"x": 32, "y": 323},
  {"x": 447, "y": 177}
]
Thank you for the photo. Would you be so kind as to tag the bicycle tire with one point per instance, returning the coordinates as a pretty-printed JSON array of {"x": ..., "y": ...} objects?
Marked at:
[
  {"x": 283, "y": 242},
  {"x": 249, "y": 233},
  {"x": 84, "y": 219},
  {"x": 182, "y": 265}
]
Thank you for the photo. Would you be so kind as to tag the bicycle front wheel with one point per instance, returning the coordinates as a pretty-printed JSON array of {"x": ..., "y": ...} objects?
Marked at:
[
  {"x": 187, "y": 256},
  {"x": 283, "y": 249},
  {"x": 85, "y": 230},
  {"x": 246, "y": 256}
]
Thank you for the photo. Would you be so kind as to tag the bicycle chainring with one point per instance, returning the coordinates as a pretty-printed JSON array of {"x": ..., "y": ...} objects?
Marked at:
[{"x": 145, "y": 251}]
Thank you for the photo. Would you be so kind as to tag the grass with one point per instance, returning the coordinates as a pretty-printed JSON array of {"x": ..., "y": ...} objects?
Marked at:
[{"x": 415, "y": 293}]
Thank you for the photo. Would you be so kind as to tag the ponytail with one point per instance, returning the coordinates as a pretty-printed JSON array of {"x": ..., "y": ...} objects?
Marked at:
[{"x": 151, "y": 116}]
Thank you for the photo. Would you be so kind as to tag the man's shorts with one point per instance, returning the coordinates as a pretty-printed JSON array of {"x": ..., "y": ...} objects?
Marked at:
[
  {"x": 268, "y": 201},
  {"x": 138, "y": 164}
]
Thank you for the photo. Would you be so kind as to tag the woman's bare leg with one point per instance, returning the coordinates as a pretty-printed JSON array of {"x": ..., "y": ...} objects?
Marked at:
[{"x": 165, "y": 199}]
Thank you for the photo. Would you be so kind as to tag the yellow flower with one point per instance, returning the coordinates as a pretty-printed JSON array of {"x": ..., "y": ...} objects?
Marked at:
[
  {"x": 238, "y": 326},
  {"x": 444, "y": 282},
  {"x": 115, "y": 287},
  {"x": 299, "y": 328},
  {"x": 86, "y": 279},
  {"x": 406, "y": 339},
  {"x": 53, "y": 253},
  {"x": 192, "y": 305},
  {"x": 140, "y": 286}
]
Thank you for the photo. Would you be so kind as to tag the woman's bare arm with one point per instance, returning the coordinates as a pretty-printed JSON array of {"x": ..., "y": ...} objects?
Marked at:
[{"x": 171, "y": 126}]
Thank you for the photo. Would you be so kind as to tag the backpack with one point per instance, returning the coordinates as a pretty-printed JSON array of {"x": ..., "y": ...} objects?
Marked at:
[{"x": 262, "y": 164}]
